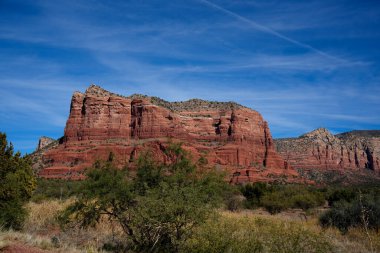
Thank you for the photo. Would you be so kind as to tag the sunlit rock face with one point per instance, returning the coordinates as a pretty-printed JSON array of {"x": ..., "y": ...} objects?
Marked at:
[
  {"x": 321, "y": 150},
  {"x": 44, "y": 142},
  {"x": 226, "y": 135}
]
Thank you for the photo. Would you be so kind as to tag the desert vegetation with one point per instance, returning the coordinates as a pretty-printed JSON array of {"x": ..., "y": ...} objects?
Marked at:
[
  {"x": 277, "y": 198},
  {"x": 179, "y": 206},
  {"x": 224, "y": 231},
  {"x": 17, "y": 183},
  {"x": 157, "y": 210}
]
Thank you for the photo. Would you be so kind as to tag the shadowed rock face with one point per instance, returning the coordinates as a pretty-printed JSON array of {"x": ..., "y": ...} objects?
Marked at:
[
  {"x": 228, "y": 135},
  {"x": 319, "y": 149}
]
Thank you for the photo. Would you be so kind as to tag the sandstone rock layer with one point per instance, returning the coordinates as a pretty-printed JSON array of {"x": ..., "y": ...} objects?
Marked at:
[
  {"x": 226, "y": 135},
  {"x": 321, "y": 150}
]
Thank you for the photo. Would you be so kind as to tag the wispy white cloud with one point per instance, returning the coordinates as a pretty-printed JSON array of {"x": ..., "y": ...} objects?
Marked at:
[
  {"x": 43, "y": 111},
  {"x": 271, "y": 31},
  {"x": 305, "y": 62},
  {"x": 259, "y": 53}
]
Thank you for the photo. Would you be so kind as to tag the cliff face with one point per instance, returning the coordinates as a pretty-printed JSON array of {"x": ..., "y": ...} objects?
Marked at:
[
  {"x": 44, "y": 142},
  {"x": 228, "y": 135},
  {"x": 320, "y": 150}
]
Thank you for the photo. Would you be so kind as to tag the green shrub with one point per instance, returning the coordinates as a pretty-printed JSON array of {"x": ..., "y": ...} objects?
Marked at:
[
  {"x": 202, "y": 161},
  {"x": 254, "y": 192},
  {"x": 362, "y": 212},
  {"x": 340, "y": 216},
  {"x": 276, "y": 198},
  {"x": 55, "y": 189},
  {"x": 307, "y": 200},
  {"x": 341, "y": 194},
  {"x": 275, "y": 202},
  {"x": 158, "y": 209},
  {"x": 234, "y": 202},
  {"x": 17, "y": 183}
]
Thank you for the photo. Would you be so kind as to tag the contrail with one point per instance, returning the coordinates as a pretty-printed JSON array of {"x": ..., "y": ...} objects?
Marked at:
[{"x": 271, "y": 31}]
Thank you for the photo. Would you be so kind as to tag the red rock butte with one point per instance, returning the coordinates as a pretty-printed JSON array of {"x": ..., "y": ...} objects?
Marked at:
[{"x": 226, "y": 135}]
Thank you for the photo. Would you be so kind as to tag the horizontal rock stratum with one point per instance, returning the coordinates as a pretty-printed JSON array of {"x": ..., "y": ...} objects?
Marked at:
[
  {"x": 355, "y": 153},
  {"x": 320, "y": 149},
  {"x": 226, "y": 135}
]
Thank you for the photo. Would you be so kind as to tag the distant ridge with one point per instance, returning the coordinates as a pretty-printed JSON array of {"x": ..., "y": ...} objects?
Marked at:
[
  {"x": 360, "y": 133},
  {"x": 317, "y": 154}
]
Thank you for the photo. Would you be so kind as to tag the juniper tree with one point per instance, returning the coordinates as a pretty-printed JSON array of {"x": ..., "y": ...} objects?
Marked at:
[{"x": 17, "y": 183}]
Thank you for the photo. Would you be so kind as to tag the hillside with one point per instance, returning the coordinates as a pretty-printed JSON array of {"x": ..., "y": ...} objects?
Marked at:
[{"x": 321, "y": 156}]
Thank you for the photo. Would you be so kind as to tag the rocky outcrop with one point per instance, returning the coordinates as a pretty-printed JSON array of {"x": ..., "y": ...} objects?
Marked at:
[
  {"x": 225, "y": 134},
  {"x": 321, "y": 150},
  {"x": 44, "y": 142}
]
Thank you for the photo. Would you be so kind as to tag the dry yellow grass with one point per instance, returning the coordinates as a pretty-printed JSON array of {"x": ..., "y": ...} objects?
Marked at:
[
  {"x": 42, "y": 216},
  {"x": 41, "y": 242},
  {"x": 42, "y": 230},
  {"x": 355, "y": 241},
  {"x": 3, "y": 243},
  {"x": 42, "y": 221},
  {"x": 259, "y": 232}
]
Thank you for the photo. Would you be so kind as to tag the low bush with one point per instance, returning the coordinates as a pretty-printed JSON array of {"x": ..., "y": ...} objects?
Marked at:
[
  {"x": 254, "y": 192},
  {"x": 276, "y": 198},
  {"x": 363, "y": 212},
  {"x": 55, "y": 189},
  {"x": 308, "y": 200},
  {"x": 234, "y": 202},
  {"x": 335, "y": 195},
  {"x": 248, "y": 234},
  {"x": 275, "y": 202}
]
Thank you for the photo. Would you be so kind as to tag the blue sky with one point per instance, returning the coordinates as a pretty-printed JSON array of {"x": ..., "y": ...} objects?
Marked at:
[{"x": 301, "y": 64}]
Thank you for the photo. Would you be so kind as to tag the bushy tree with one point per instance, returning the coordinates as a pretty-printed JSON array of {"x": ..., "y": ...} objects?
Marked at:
[
  {"x": 341, "y": 194},
  {"x": 275, "y": 202},
  {"x": 307, "y": 200},
  {"x": 363, "y": 212},
  {"x": 276, "y": 198},
  {"x": 158, "y": 209},
  {"x": 254, "y": 193},
  {"x": 17, "y": 183}
]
